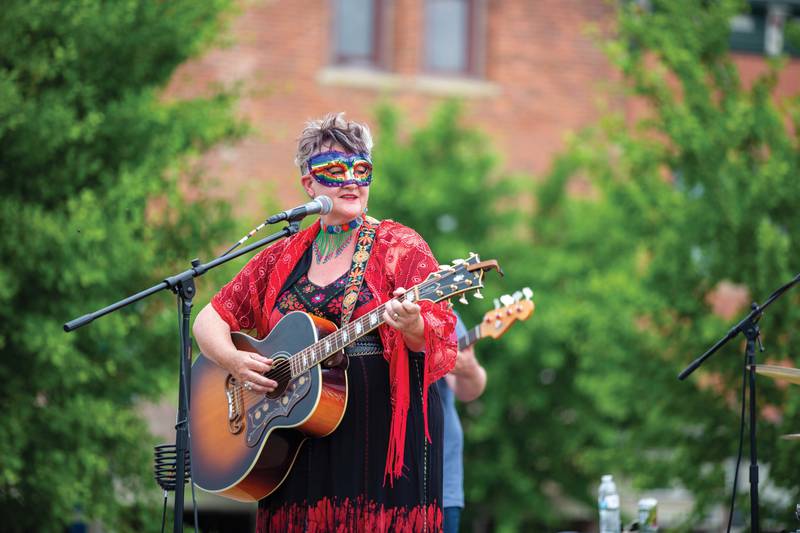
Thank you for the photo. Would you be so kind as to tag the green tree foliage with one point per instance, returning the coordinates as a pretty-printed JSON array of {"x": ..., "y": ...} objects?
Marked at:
[
  {"x": 699, "y": 190},
  {"x": 91, "y": 155},
  {"x": 635, "y": 225},
  {"x": 439, "y": 180}
]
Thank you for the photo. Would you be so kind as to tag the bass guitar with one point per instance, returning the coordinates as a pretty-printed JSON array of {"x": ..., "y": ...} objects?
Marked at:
[
  {"x": 243, "y": 444},
  {"x": 518, "y": 306}
]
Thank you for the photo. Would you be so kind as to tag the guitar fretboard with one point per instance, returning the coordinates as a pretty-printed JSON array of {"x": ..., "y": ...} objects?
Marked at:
[
  {"x": 340, "y": 339},
  {"x": 445, "y": 283},
  {"x": 470, "y": 338}
]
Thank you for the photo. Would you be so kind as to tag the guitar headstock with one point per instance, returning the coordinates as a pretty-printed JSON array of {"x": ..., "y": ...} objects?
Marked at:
[
  {"x": 518, "y": 306},
  {"x": 462, "y": 276}
]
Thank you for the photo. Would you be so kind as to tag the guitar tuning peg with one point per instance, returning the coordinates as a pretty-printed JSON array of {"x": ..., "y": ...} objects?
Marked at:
[
  {"x": 527, "y": 292},
  {"x": 478, "y": 295},
  {"x": 507, "y": 299},
  {"x": 517, "y": 296},
  {"x": 496, "y": 303},
  {"x": 463, "y": 300},
  {"x": 457, "y": 262}
]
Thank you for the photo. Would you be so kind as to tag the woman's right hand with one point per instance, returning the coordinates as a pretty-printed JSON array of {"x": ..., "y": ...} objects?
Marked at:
[
  {"x": 213, "y": 336},
  {"x": 249, "y": 369}
]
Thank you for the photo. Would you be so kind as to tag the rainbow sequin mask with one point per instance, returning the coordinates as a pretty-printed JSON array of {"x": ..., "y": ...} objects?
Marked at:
[{"x": 337, "y": 169}]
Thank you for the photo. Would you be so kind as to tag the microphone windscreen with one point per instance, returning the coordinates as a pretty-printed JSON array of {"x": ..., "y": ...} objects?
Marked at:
[{"x": 326, "y": 203}]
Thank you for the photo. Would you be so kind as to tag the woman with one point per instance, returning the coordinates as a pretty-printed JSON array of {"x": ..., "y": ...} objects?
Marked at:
[{"x": 381, "y": 469}]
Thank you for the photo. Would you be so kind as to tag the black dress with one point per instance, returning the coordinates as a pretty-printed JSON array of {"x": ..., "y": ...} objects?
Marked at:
[{"x": 337, "y": 482}]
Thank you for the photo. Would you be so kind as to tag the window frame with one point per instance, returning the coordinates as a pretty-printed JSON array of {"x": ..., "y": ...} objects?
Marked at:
[
  {"x": 377, "y": 56},
  {"x": 754, "y": 42},
  {"x": 475, "y": 42}
]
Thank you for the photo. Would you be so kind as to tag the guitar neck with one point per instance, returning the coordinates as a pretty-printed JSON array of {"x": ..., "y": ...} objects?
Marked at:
[
  {"x": 448, "y": 281},
  {"x": 470, "y": 338},
  {"x": 340, "y": 339}
]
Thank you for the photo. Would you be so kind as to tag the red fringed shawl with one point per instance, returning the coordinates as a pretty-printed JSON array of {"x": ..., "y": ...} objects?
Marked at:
[{"x": 399, "y": 258}]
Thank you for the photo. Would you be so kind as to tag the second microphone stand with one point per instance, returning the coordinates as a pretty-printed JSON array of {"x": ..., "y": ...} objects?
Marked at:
[{"x": 749, "y": 328}]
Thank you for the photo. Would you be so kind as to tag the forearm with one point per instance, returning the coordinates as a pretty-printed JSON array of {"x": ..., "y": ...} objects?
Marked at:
[
  {"x": 213, "y": 336},
  {"x": 469, "y": 383}
]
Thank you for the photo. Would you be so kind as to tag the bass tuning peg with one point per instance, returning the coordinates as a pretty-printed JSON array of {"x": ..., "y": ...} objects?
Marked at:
[{"x": 527, "y": 292}]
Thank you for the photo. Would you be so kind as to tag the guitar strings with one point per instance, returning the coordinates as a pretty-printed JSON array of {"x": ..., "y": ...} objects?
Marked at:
[
  {"x": 285, "y": 372},
  {"x": 282, "y": 369}
]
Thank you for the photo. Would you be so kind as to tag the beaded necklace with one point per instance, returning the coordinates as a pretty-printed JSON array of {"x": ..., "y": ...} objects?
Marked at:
[{"x": 331, "y": 241}]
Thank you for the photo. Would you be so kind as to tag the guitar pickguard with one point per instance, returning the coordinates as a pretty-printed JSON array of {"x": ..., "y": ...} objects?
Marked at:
[{"x": 262, "y": 413}]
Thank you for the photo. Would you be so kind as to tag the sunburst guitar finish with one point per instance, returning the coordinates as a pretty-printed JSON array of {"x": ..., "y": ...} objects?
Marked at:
[{"x": 244, "y": 444}]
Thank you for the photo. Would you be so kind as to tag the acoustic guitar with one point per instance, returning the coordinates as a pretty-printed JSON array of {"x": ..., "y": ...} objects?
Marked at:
[
  {"x": 518, "y": 306},
  {"x": 243, "y": 444}
]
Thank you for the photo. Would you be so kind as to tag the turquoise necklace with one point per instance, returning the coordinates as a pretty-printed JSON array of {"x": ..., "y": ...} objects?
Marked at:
[{"x": 331, "y": 241}]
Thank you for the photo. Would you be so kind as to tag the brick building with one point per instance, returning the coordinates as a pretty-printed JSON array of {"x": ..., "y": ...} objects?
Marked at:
[{"x": 528, "y": 71}]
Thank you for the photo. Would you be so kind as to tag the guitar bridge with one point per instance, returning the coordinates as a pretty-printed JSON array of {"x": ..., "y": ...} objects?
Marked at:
[
  {"x": 233, "y": 394},
  {"x": 260, "y": 414}
]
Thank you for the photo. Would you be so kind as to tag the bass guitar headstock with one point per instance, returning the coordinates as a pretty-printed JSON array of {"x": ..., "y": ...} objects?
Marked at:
[
  {"x": 462, "y": 276},
  {"x": 508, "y": 309}
]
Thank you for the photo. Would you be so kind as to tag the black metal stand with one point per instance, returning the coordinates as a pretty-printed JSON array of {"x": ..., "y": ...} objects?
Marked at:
[
  {"x": 749, "y": 327},
  {"x": 181, "y": 284},
  {"x": 185, "y": 291},
  {"x": 751, "y": 333}
]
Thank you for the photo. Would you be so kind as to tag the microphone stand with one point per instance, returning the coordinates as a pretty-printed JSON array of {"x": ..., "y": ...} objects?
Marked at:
[
  {"x": 749, "y": 327},
  {"x": 182, "y": 284}
]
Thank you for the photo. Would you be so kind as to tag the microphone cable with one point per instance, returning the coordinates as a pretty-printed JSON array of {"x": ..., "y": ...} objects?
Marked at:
[
  {"x": 325, "y": 207},
  {"x": 243, "y": 239}
]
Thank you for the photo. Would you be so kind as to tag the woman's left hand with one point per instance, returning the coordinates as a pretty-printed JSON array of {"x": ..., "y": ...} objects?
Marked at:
[{"x": 405, "y": 317}]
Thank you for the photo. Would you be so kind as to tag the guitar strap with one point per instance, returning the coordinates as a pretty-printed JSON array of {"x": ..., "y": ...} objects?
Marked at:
[{"x": 366, "y": 236}]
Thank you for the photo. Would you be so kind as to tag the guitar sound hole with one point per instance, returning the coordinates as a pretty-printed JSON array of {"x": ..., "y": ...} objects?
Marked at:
[{"x": 279, "y": 373}]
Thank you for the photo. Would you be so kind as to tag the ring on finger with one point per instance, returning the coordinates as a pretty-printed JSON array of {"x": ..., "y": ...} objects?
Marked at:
[
  {"x": 396, "y": 316},
  {"x": 248, "y": 385}
]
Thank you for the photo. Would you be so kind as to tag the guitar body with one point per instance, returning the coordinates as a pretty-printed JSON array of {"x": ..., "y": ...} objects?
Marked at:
[{"x": 244, "y": 444}]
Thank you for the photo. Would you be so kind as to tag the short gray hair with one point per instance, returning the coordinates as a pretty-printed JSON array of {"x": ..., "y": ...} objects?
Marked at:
[{"x": 332, "y": 129}]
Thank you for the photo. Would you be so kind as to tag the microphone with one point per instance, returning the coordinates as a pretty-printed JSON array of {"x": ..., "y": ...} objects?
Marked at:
[{"x": 321, "y": 204}]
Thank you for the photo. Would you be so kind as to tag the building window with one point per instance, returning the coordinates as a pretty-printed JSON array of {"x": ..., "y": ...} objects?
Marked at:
[
  {"x": 761, "y": 30},
  {"x": 356, "y": 25},
  {"x": 452, "y": 36}
]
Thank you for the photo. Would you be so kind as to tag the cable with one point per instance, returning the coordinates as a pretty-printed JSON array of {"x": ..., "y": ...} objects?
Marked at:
[{"x": 164, "y": 513}]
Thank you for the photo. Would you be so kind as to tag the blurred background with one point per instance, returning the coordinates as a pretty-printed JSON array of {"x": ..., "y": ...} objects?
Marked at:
[{"x": 634, "y": 162}]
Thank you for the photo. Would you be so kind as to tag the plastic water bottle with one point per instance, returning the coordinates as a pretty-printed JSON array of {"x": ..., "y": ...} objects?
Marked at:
[{"x": 608, "y": 502}]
